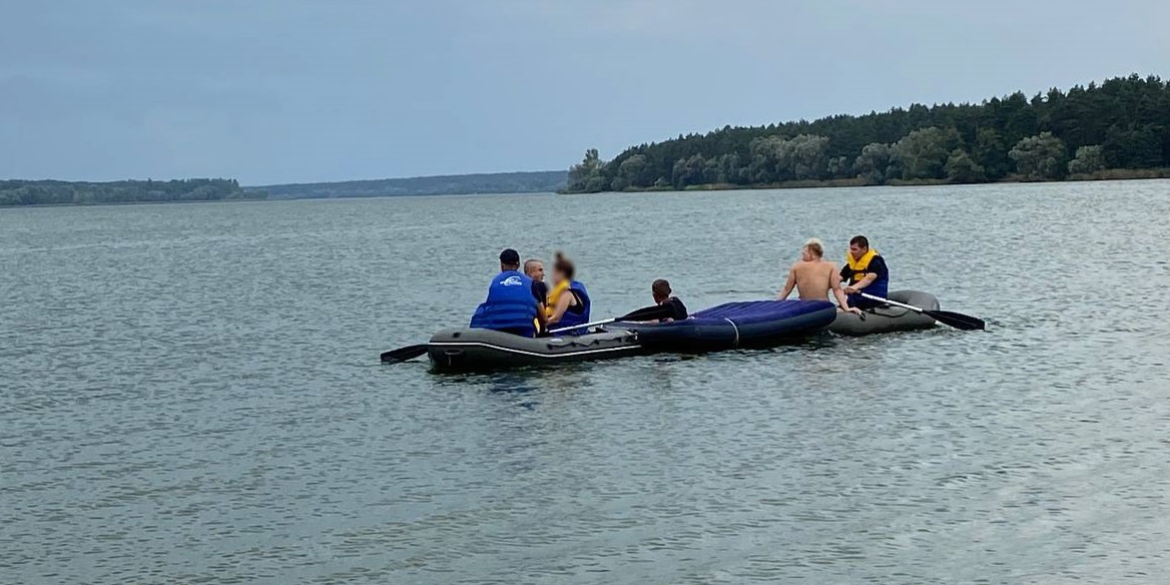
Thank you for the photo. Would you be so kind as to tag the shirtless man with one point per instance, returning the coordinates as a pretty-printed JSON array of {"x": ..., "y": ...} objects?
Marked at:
[{"x": 814, "y": 278}]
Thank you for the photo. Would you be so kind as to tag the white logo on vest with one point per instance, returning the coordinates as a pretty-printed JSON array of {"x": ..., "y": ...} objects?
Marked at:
[{"x": 512, "y": 281}]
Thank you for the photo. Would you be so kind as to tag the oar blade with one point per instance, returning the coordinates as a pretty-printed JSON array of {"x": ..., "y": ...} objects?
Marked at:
[
  {"x": 404, "y": 353},
  {"x": 653, "y": 313},
  {"x": 957, "y": 320}
]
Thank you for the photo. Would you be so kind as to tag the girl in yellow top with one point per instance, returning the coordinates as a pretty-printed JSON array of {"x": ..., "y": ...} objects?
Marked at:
[{"x": 568, "y": 301}]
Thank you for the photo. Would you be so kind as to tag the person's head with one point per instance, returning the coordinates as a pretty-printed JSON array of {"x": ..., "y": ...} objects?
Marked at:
[
  {"x": 858, "y": 247},
  {"x": 661, "y": 290},
  {"x": 563, "y": 268},
  {"x": 534, "y": 269},
  {"x": 813, "y": 250},
  {"x": 509, "y": 260}
]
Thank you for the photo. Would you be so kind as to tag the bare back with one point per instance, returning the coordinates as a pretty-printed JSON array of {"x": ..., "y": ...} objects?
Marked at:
[{"x": 815, "y": 279}]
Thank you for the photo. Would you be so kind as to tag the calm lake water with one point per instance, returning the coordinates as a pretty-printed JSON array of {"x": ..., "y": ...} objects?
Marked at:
[{"x": 191, "y": 393}]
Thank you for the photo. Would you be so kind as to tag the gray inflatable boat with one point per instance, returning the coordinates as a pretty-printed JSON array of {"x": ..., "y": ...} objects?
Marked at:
[
  {"x": 484, "y": 349},
  {"x": 889, "y": 318}
]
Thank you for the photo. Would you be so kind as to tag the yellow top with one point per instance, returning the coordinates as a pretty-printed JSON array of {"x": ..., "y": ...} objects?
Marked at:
[{"x": 554, "y": 295}]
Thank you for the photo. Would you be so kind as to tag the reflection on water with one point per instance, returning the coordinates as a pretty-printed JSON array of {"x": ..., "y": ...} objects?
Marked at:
[{"x": 191, "y": 394}]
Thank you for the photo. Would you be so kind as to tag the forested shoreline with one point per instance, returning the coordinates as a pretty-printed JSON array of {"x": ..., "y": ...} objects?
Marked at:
[
  {"x": 518, "y": 182},
  {"x": 20, "y": 192},
  {"x": 1118, "y": 129}
]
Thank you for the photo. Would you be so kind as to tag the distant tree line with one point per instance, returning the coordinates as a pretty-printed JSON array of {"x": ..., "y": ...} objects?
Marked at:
[
  {"x": 65, "y": 192},
  {"x": 1123, "y": 123},
  {"x": 520, "y": 182}
]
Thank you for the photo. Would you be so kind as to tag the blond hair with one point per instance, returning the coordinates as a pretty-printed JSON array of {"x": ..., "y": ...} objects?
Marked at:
[{"x": 815, "y": 246}]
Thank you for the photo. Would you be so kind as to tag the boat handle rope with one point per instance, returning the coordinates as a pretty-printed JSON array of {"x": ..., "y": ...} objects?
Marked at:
[{"x": 734, "y": 328}]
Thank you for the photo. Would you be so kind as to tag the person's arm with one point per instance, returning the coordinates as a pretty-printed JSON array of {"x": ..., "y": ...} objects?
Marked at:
[
  {"x": 868, "y": 280},
  {"x": 539, "y": 291},
  {"x": 788, "y": 286},
  {"x": 877, "y": 266},
  {"x": 842, "y": 300},
  {"x": 563, "y": 304}
]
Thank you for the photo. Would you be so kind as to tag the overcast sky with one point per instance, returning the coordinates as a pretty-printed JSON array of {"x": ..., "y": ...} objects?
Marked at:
[{"x": 271, "y": 91}]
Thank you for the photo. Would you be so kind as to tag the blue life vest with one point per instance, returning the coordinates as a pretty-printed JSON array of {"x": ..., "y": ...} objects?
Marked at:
[
  {"x": 509, "y": 305},
  {"x": 578, "y": 315}
]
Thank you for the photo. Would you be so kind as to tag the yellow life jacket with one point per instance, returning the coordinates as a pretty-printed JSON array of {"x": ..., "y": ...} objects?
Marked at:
[
  {"x": 860, "y": 267},
  {"x": 554, "y": 295}
]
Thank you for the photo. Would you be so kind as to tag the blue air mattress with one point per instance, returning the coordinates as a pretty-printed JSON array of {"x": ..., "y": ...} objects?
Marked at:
[{"x": 751, "y": 324}]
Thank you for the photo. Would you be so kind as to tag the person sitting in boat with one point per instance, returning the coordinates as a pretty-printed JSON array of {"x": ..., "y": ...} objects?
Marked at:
[
  {"x": 664, "y": 296},
  {"x": 865, "y": 270},
  {"x": 568, "y": 302},
  {"x": 814, "y": 278},
  {"x": 512, "y": 305},
  {"x": 534, "y": 269}
]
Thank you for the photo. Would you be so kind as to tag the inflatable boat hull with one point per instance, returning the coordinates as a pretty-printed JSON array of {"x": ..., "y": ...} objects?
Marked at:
[
  {"x": 889, "y": 319},
  {"x": 484, "y": 349},
  {"x": 752, "y": 324}
]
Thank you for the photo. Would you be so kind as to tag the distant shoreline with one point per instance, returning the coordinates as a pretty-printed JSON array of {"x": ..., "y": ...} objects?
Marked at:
[
  {"x": 1106, "y": 175},
  {"x": 120, "y": 203}
]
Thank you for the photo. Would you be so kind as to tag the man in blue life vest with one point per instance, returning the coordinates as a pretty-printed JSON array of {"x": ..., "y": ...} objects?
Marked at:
[
  {"x": 865, "y": 270},
  {"x": 513, "y": 301}
]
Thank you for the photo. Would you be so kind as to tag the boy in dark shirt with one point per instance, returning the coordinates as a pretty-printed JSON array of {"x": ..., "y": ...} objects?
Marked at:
[
  {"x": 662, "y": 296},
  {"x": 534, "y": 269}
]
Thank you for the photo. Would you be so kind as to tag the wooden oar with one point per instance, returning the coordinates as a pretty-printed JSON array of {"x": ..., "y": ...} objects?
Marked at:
[
  {"x": 956, "y": 320},
  {"x": 404, "y": 353},
  {"x": 653, "y": 313}
]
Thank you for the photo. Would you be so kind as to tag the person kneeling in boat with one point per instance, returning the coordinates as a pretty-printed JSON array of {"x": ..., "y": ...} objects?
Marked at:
[
  {"x": 663, "y": 296},
  {"x": 866, "y": 271},
  {"x": 813, "y": 277},
  {"x": 568, "y": 302},
  {"x": 513, "y": 304}
]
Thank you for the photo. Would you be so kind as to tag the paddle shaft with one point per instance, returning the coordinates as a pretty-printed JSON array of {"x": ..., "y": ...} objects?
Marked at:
[
  {"x": 894, "y": 303},
  {"x": 651, "y": 313},
  {"x": 583, "y": 325},
  {"x": 956, "y": 320}
]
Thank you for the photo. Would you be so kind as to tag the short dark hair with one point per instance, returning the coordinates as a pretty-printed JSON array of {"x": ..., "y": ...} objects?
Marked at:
[
  {"x": 859, "y": 241},
  {"x": 660, "y": 288},
  {"x": 510, "y": 257}
]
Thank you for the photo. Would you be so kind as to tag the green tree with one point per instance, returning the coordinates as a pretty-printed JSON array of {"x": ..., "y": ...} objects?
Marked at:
[
  {"x": 805, "y": 157},
  {"x": 586, "y": 177},
  {"x": 1040, "y": 157},
  {"x": 688, "y": 171},
  {"x": 922, "y": 154},
  {"x": 874, "y": 162},
  {"x": 767, "y": 159},
  {"x": 1133, "y": 148},
  {"x": 991, "y": 153},
  {"x": 961, "y": 168},
  {"x": 839, "y": 167},
  {"x": 1089, "y": 159},
  {"x": 632, "y": 172}
]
